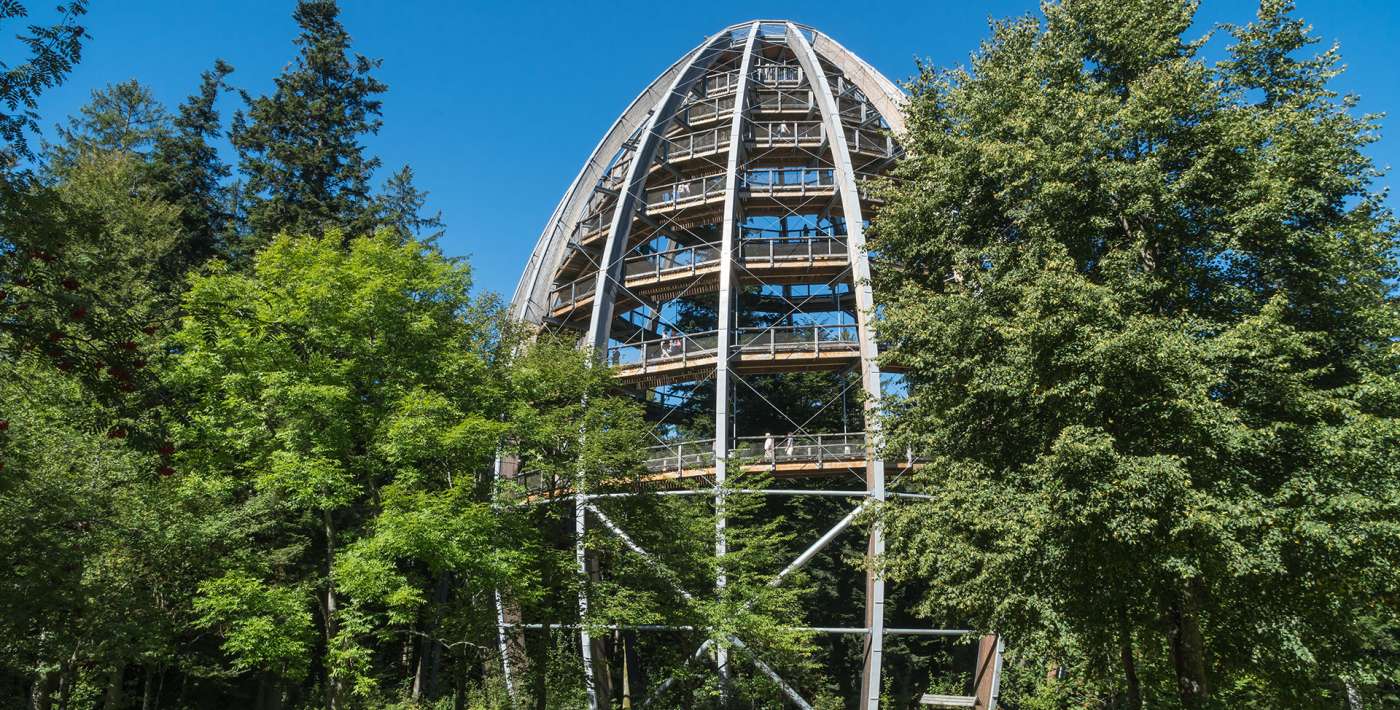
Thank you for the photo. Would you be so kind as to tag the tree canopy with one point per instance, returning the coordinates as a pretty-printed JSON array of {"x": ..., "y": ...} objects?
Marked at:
[{"x": 1145, "y": 303}]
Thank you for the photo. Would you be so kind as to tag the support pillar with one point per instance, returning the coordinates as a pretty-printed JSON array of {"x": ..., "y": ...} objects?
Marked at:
[
  {"x": 729, "y": 243},
  {"x": 585, "y": 639},
  {"x": 600, "y": 320},
  {"x": 845, "y": 178}
]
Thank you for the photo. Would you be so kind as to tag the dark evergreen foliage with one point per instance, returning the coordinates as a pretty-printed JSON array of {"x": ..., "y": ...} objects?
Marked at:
[
  {"x": 1146, "y": 308},
  {"x": 300, "y": 152},
  {"x": 193, "y": 177}
]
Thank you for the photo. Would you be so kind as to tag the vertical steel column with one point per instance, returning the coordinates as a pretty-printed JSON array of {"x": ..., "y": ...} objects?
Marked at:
[
  {"x": 502, "y": 645},
  {"x": 726, "y": 319},
  {"x": 869, "y": 368},
  {"x": 609, "y": 273},
  {"x": 581, "y": 559}
]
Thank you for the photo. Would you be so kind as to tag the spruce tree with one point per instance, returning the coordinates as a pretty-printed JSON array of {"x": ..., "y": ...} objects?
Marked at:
[
  {"x": 124, "y": 117},
  {"x": 191, "y": 174},
  {"x": 300, "y": 148},
  {"x": 401, "y": 209},
  {"x": 1145, "y": 307}
]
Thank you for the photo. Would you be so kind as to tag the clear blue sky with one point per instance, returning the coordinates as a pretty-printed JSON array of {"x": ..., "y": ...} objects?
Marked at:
[{"x": 496, "y": 104}]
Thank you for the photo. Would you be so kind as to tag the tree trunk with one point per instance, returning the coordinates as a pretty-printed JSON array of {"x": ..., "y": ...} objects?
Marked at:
[
  {"x": 269, "y": 692},
  {"x": 633, "y": 686},
  {"x": 420, "y": 667},
  {"x": 114, "y": 688},
  {"x": 329, "y": 605},
  {"x": 1125, "y": 638},
  {"x": 41, "y": 697},
  {"x": 1353, "y": 696},
  {"x": 146, "y": 688},
  {"x": 1188, "y": 649},
  {"x": 67, "y": 678},
  {"x": 434, "y": 647}
]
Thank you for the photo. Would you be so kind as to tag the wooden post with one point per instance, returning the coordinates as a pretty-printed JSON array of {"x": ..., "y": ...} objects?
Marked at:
[{"x": 986, "y": 678}]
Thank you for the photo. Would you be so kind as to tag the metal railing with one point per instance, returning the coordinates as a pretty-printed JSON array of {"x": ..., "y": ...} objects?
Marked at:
[
  {"x": 613, "y": 178},
  {"x": 792, "y": 249},
  {"x": 777, "y": 133},
  {"x": 802, "y": 448},
  {"x": 789, "y": 180},
  {"x": 573, "y": 292},
  {"x": 678, "y": 347},
  {"x": 672, "y": 261},
  {"x": 707, "y": 109},
  {"x": 694, "y": 190},
  {"x": 753, "y": 250},
  {"x": 762, "y": 181},
  {"x": 681, "y": 455},
  {"x": 778, "y": 74},
  {"x": 682, "y": 147},
  {"x": 593, "y": 224},
  {"x": 771, "y": 449},
  {"x": 797, "y": 338},
  {"x": 769, "y": 101},
  {"x": 683, "y": 348},
  {"x": 866, "y": 140},
  {"x": 719, "y": 82}
]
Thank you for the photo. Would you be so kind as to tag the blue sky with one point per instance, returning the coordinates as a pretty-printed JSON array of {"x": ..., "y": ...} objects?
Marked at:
[{"x": 497, "y": 104}]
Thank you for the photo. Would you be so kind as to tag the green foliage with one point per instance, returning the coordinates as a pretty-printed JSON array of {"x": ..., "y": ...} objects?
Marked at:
[
  {"x": 53, "y": 50},
  {"x": 81, "y": 277},
  {"x": 1144, "y": 306},
  {"x": 299, "y": 148},
  {"x": 401, "y": 209},
  {"x": 120, "y": 118},
  {"x": 191, "y": 174},
  {"x": 263, "y": 627},
  {"x": 103, "y": 552},
  {"x": 347, "y": 392}
]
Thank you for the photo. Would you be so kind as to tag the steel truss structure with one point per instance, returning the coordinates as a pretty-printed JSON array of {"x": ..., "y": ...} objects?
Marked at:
[{"x": 737, "y": 174}]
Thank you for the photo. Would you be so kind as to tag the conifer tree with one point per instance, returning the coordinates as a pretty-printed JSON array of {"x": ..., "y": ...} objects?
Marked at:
[
  {"x": 124, "y": 117},
  {"x": 401, "y": 209},
  {"x": 192, "y": 175},
  {"x": 300, "y": 148},
  {"x": 1145, "y": 306}
]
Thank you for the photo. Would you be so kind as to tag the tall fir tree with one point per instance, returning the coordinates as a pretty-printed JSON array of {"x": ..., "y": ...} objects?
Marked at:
[
  {"x": 124, "y": 117},
  {"x": 401, "y": 206},
  {"x": 300, "y": 148},
  {"x": 1145, "y": 306},
  {"x": 191, "y": 174}
]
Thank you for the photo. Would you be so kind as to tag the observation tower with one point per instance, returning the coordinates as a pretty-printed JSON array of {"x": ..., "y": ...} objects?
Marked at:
[{"x": 712, "y": 252}]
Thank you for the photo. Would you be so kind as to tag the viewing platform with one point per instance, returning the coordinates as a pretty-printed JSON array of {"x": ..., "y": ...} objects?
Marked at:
[
  {"x": 777, "y": 349},
  {"x": 667, "y": 274},
  {"x": 785, "y": 456}
]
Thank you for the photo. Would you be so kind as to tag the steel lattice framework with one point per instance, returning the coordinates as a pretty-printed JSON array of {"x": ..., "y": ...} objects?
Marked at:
[{"x": 736, "y": 174}]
